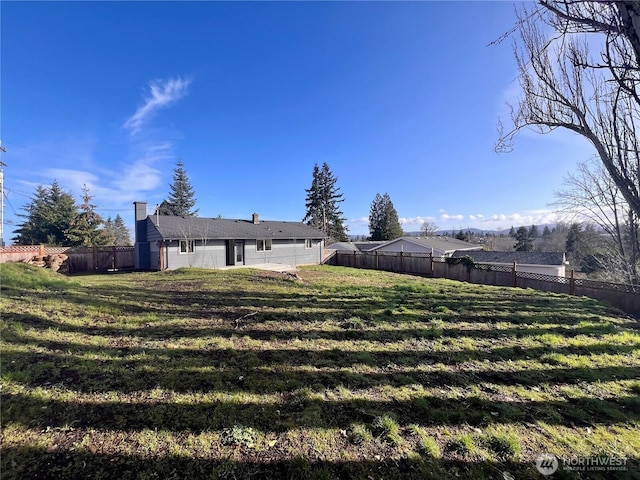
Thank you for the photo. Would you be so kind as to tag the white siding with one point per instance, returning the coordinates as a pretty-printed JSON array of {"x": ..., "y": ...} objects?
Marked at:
[{"x": 404, "y": 246}]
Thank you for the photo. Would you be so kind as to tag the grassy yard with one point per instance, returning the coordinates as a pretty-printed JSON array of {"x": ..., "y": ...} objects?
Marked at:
[{"x": 342, "y": 374}]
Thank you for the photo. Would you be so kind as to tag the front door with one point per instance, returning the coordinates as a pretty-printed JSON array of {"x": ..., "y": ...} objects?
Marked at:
[{"x": 238, "y": 252}]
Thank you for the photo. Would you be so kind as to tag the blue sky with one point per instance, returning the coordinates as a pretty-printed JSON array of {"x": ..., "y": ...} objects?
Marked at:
[{"x": 397, "y": 97}]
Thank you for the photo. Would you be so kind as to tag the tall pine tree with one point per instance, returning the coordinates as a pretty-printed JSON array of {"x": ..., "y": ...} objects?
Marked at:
[
  {"x": 86, "y": 228},
  {"x": 117, "y": 232},
  {"x": 181, "y": 198},
  {"x": 323, "y": 204},
  {"x": 48, "y": 217},
  {"x": 383, "y": 219},
  {"x": 524, "y": 242}
]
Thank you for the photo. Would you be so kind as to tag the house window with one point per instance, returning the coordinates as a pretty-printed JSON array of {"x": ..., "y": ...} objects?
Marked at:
[
  {"x": 187, "y": 246},
  {"x": 308, "y": 243},
  {"x": 263, "y": 245}
]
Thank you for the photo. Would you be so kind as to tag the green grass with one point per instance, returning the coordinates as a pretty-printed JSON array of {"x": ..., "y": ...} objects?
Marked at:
[{"x": 344, "y": 374}]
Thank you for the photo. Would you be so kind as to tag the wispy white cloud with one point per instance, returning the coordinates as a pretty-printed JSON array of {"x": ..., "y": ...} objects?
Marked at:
[
  {"x": 162, "y": 93},
  {"x": 410, "y": 224},
  {"x": 139, "y": 176},
  {"x": 73, "y": 180},
  {"x": 499, "y": 221},
  {"x": 445, "y": 217}
]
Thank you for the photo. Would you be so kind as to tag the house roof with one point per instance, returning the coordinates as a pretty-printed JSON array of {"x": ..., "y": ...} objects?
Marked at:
[
  {"x": 524, "y": 258},
  {"x": 354, "y": 246},
  {"x": 175, "y": 228},
  {"x": 442, "y": 244}
]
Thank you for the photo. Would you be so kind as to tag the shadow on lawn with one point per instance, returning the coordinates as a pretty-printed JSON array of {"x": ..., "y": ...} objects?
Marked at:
[
  {"x": 308, "y": 304},
  {"x": 38, "y": 464},
  {"x": 210, "y": 368},
  {"x": 408, "y": 331},
  {"x": 298, "y": 410},
  {"x": 211, "y": 355},
  {"x": 292, "y": 374}
]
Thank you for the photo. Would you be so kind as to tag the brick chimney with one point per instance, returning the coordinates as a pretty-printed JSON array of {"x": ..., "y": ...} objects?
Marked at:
[{"x": 255, "y": 218}]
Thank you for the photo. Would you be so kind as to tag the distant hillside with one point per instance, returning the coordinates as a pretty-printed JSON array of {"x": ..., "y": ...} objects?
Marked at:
[{"x": 480, "y": 231}]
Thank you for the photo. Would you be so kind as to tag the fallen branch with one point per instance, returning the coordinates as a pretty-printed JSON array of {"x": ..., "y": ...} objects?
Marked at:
[{"x": 243, "y": 317}]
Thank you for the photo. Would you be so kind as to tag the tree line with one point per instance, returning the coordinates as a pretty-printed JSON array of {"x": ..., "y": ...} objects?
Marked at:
[{"x": 52, "y": 217}]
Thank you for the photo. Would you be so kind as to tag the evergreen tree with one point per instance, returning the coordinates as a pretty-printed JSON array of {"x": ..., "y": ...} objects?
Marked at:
[
  {"x": 322, "y": 204},
  {"x": 163, "y": 209},
  {"x": 462, "y": 236},
  {"x": 181, "y": 198},
  {"x": 117, "y": 232},
  {"x": 533, "y": 232},
  {"x": 383, "y": 219},
  {"x": 512, "y": 232},
  {"x": 546, "y": 233},
  {"x": 86, "y": 228},
  {"x": 524, "y": 243},
  {"x": 584, "y": 248},
  {"x": 573, "y": 245},
  {"x": 48, "y": 217}
]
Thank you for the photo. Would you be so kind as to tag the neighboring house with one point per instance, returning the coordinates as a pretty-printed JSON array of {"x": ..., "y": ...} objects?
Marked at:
[
  {"x": 169, "y": 242},
  {"x": 435, "y": 246},
  {"x": 354, "y": 246},
  {"x": 545, "y": 263}
]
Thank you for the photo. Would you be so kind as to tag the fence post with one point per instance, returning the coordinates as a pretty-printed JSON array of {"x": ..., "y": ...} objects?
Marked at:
[
  {"x": 376, "y": 254},
  {"x": 95, "y": 258},
  {"x": 514, "y": 277},
  {"x": 355, "y": 260},
  {"x": 431, "y": 264},
  {"x": 114, "y": 265},
  {"x": 572, "y": 284},
  {"x": 41, "y": 250},
  {"x": 401, "y": 262}
]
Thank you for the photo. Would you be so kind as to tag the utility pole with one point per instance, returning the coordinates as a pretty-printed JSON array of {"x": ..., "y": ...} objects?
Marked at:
[{"x": 2, "y": 165}]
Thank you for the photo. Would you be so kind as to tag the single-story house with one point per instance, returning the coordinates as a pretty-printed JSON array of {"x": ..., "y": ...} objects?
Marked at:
[
  {"x": 354, "y": 246},
  {"x": 545, "y": 263},
  {"x": 170, "y": 242},
  {"x": 435, "y": 246}
]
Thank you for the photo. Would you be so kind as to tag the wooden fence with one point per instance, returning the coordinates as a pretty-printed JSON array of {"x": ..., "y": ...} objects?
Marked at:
[
  {"x": 80, "y": 259},
  {"x": 623, "y": 296}
]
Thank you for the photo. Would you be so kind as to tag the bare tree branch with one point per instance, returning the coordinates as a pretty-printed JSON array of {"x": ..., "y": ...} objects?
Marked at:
[{"x": 563, "y": 87}]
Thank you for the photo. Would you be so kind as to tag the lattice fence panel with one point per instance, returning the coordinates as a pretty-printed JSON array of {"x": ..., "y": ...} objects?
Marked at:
[
  {"x": 617, "y": 287},
  {"x": 542, "y": 277},
  {"x": 493, "y": 268}
]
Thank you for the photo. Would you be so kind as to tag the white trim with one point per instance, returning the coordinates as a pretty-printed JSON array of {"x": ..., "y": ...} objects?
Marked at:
[
  {"x": 188, "y": 251},
  {"x": 267, "y": 245}
]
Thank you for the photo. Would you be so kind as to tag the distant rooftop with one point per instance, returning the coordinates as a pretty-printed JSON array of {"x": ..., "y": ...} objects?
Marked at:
[
  {"x": 441, "y": 244},
  {"x": 355, "y": 246},
  {"x": 524, "y": 258}
]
